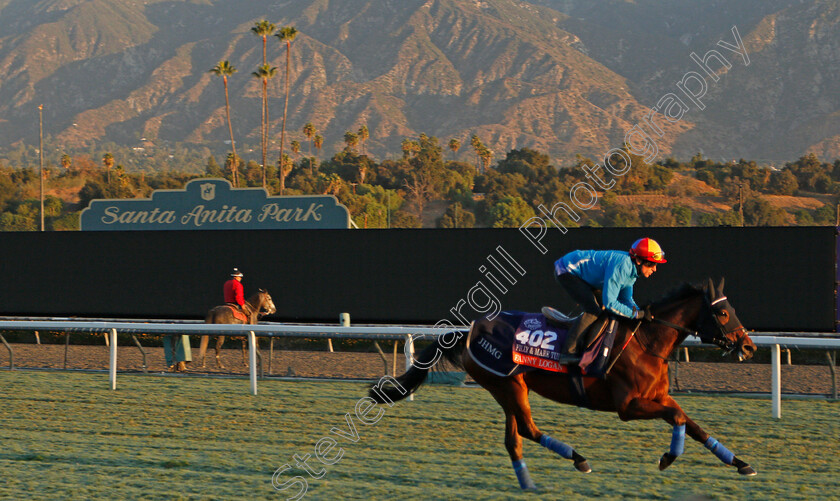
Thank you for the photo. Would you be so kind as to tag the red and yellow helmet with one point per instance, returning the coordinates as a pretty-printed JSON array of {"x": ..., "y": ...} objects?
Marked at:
[{"x": 648, "y": 250}]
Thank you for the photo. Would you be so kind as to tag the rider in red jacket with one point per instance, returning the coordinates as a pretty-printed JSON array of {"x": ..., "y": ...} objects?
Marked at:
[{"x": 234, "y": 291}]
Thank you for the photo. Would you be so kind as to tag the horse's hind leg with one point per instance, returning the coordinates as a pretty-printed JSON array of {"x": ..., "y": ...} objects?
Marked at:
[
  {"x": 521, "y": 410},
  {"x": 244, "y": 351},
  {"x": 202, "y": 350},
  {"x": 512, "y": 395},
  {"x": 220, "y": 340},
  {"x": 513, "y": 444}
]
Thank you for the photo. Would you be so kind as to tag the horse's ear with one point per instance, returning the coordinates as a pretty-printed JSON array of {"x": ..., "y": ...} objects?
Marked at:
[
  {"x": 720, "y": 287},
  {"x": 710, "y": 288},
  {"x": 262, "y": 290}
]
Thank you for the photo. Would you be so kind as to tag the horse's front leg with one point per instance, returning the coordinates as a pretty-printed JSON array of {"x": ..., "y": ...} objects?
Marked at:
[
  {"x": 694, "y": 431},
  {"x": 670, "y": 411}
]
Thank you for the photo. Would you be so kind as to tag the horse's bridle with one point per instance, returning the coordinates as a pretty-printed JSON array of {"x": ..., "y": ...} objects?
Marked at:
[{"x": 717, "y": 309}]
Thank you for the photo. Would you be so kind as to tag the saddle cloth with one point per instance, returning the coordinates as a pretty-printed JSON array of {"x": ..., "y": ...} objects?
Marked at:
[
  {"x": 538, "y": 345},
  {"x": 238, "y": 314},
  {"x": 515, "y": 342}
]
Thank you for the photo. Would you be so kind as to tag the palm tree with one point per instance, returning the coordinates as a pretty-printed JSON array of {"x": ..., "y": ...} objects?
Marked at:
[
  {"x": 224, "y": 69},
  {"x": 66, "y": 161},
  {"x": 285, "y": 165},
  {"x": 364, "y": 134},
  {"x": 286, "y": 34},
  {"x": 454, "y": 145},
  {"x": 318, "y": 142},
  {"x": 486, "y": 155},
  {"x": 232, "y": 164},
  {"x": 309, "y": 131},
  {"x": 295, "y": 147},
  {"x": 263, "y": 29},
  {"x": 264, "y": 72},
  {"x": 351, "y": 140},
  {"x": 108, "y": 162},
  {"x": 477, "y": 145}
]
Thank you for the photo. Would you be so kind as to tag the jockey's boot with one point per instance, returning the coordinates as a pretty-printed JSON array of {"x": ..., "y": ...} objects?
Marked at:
[{"x": 569, "y": 352}]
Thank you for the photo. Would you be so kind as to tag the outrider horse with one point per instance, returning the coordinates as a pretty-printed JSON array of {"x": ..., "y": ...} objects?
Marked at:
[
  {"x": 256, "y": 306},
  {"x": 636, "y": 387}
]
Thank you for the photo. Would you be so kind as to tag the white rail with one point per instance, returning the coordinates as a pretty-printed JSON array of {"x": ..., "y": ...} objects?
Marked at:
[{"x": 775, "y": 340}]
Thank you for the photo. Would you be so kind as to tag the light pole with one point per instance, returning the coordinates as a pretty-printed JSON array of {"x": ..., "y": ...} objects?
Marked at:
[{"x": 41, "y": 157}]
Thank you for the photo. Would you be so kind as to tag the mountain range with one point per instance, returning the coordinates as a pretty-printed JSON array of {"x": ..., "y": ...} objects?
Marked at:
[{"x": 565, "y": 77}]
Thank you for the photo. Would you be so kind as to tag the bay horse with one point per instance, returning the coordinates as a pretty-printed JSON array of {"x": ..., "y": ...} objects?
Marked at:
[
  {"x": 256, "y": 306},
  {"x": 636, "y": 386}
]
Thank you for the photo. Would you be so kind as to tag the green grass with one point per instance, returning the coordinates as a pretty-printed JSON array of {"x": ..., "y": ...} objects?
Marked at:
[{"x": 67, "y": 436}]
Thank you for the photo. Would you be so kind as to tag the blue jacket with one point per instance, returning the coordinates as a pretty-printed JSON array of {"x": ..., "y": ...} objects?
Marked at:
[{"x": 614, "y": 272}]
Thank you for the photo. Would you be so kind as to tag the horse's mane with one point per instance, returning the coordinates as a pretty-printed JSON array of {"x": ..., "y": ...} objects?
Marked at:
[{"x": 677, "y": 294}]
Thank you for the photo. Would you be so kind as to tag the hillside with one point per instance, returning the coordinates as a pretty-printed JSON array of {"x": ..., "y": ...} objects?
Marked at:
[{"x": 565, "y": 77}]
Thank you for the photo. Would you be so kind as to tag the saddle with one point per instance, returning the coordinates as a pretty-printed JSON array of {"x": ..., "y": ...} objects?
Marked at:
[
  {"x": 562, "y": 321},
  {"x": 238, "y": 313}
]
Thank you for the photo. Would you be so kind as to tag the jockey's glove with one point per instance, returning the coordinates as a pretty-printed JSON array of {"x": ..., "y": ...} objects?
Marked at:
[{"x": 644, "y": 314}]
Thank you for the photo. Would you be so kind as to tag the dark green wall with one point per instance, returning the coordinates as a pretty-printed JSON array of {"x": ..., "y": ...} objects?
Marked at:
[{"x": 777, "y": 278}]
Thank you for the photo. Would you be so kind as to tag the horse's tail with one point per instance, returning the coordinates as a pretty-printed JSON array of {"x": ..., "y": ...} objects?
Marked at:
[{"x": 448, "y": 346}]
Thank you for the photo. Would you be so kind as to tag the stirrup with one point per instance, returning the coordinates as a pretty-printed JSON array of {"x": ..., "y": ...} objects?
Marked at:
[{"x": 555, "y": 316}]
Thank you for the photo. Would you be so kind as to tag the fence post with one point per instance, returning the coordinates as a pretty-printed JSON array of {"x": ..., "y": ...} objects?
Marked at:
[
  {"x": 252, "y": 342},
  {"x": 344, "y": 321},
  {"x": 409, "y": 359},
  {"x": 776, "y": 380},
  {"x": 113, "y": 369}
]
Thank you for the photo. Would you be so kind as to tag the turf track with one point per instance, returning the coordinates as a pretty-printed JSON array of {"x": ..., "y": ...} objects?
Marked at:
[{"x": 67, "y": 436}]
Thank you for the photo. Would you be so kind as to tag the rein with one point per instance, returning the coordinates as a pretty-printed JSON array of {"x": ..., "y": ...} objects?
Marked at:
[
  {"x": 666, "y": 323},
  {"x": 676, "y": 327},
  {"x": 646, "y": 349},
  {"x": 255, "y": 308},
  {"x": 639, "y": 340}
]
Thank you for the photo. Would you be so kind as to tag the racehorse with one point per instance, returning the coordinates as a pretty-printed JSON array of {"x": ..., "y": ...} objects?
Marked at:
[
  {"x": 256, "y": 306},
  {"x": 636, "y": 386}
]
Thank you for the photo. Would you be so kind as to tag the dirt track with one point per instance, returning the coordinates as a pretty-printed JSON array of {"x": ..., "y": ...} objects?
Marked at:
[{"x": 694, "y": 376}]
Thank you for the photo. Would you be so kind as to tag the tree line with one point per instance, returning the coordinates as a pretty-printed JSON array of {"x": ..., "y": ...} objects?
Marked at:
[{"x": 429, "y": 186}]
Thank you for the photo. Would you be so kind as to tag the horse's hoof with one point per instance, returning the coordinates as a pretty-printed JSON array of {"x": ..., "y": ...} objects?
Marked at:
[
  {"x": 666, "y": 460},
  {"x": 747, "y": 471},
  {"x": 583, "y": 466}
]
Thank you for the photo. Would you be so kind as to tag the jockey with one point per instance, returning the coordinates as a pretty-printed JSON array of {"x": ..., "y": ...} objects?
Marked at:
[
  {"x": 234, "y": 291},
  {"x": 602, "y": 280}
]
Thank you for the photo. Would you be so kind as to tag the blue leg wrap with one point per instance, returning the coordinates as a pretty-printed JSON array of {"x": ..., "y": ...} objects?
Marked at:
[
  {"x": 719, "y": 450},
  {"x": 557, "y": 446},
  {"x": 522, "y": 475},
  {"x": 678, "y": 440}
]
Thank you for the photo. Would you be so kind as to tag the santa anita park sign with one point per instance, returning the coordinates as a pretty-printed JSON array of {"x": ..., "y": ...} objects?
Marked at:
[{"x": 212, "y": 204}]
